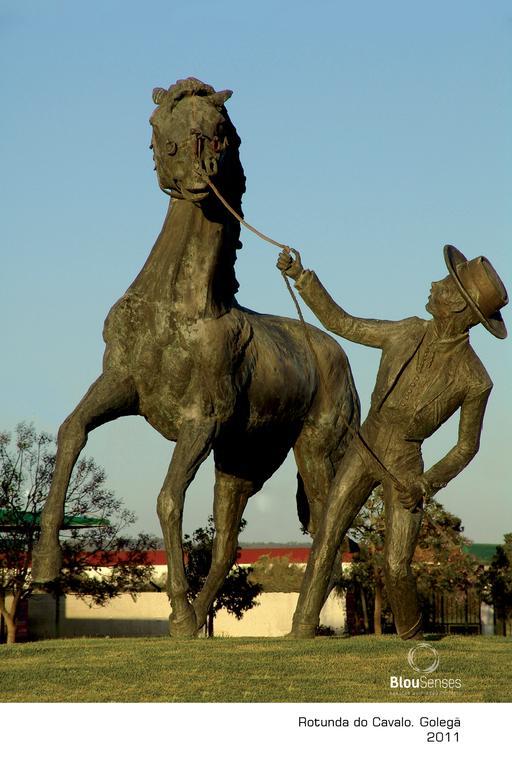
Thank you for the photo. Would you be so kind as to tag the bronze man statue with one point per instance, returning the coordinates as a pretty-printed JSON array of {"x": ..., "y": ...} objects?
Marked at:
[{"x": 428, "y": 370}]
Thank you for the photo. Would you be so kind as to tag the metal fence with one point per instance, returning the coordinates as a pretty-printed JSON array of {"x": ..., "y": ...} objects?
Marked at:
[{"x": 457, "y": 612}]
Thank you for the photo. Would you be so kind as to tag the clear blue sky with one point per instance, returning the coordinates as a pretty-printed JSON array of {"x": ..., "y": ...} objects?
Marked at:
[{"x": 372, "y": 134}]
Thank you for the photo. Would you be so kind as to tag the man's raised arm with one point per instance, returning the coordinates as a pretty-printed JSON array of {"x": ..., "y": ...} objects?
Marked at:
[{"x": 371, "y": 333}]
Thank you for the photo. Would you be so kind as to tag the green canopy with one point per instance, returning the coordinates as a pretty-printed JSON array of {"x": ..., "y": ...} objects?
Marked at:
[
  {"x": 482, "y": 552},
  {"x": 11, "y": 519}
]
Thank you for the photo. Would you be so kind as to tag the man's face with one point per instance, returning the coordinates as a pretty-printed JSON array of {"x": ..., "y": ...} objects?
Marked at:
[{"x": 445, "y": 298}]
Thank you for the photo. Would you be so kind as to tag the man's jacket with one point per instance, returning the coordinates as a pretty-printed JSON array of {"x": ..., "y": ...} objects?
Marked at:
[{"x": 465, "y": 384}]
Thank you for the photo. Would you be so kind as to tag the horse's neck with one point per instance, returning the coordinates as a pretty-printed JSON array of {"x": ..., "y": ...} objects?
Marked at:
[{"x": 191, "y": 266}]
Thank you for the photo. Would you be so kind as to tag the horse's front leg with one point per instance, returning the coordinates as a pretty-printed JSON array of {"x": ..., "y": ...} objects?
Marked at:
[
  {"x": 192, "y": 447},
  {"x": 230, "y": 499},
  {"x": 108, "y": 398}
]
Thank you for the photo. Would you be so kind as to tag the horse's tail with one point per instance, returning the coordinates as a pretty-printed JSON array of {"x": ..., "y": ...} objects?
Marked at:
[{"x": 303, "y": 509}]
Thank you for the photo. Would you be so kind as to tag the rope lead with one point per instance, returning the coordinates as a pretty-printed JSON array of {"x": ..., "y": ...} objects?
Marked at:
[{"x": 367, "y": 450}]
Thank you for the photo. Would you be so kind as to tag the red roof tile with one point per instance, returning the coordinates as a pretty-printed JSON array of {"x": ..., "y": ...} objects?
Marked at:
[{"x": 248, "y": 555}]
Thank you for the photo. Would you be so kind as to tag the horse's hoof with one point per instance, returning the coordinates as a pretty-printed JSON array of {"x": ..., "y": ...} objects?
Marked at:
[
  {"x": 301, "y": 631},
  {"x": 183, "y": 625},
  {"x": 46, "y": 564}
]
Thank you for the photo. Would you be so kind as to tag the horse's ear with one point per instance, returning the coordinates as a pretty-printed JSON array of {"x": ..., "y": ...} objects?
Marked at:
[
  {"x": 159, "y": 94},
  {"x": 220, "y": 97}
]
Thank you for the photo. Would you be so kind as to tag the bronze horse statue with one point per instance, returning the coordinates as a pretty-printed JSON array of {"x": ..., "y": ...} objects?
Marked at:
[{"x": 205, "y": 372}]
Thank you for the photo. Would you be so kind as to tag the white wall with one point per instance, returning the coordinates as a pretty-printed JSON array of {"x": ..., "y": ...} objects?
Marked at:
[{"x": 148, "y": 616}]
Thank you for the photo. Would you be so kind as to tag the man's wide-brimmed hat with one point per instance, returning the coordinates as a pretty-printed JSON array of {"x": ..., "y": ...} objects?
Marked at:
[{"x": 481, "y": 286}]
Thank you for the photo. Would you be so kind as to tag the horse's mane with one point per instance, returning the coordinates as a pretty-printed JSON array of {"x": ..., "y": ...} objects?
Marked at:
[{"x": 190, "y": 86}]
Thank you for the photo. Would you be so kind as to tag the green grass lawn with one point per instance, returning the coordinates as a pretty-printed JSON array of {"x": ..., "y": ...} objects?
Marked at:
[{"x": 355, "y": 669}]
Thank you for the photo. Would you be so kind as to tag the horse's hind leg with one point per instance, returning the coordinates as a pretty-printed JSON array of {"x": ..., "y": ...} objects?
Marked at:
[
  {"x": 318, "y": 452},
  {"x": 109, "y": 397},
  {"x": 325, "y": 436},
  {"x": 316, "y": 460},
  {"x": 230, "y": 499}
]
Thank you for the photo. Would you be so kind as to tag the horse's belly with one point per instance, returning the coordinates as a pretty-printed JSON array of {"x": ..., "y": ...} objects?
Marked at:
[
  {"x": 290, "y": 365},
  {"x": 283, "y": 379}
]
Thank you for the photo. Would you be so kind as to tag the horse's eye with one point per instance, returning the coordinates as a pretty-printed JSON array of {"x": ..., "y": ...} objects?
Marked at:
[{"x": 172, "y": 147}]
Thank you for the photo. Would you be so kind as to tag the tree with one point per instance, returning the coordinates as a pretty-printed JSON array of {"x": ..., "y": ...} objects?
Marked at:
[
  {"x": 440, "y": 561},
  {"x": 277, "y": 574},
  {"x": 93, "y": 521},
  {"x": 366, "y": 574},
  {"x": 237, "y": 595},
  {"x": 496, "y": 583}
]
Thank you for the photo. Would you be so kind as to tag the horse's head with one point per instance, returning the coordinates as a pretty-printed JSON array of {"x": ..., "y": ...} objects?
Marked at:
[{"x": 193, "y": 140}]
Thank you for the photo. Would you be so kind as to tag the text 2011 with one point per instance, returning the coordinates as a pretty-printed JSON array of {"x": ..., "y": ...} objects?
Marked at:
[{"x": 440, "y": 736}]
